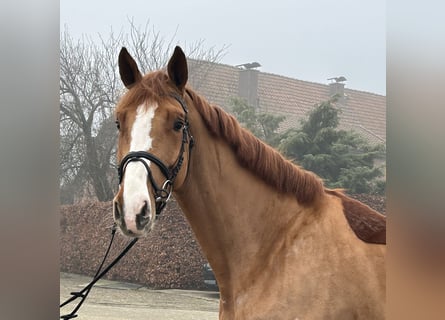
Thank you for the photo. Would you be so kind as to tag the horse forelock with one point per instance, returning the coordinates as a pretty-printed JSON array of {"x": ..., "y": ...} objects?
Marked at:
[
  {"x": 257, "y": 156},
  {"x": 154, "y": 86}
]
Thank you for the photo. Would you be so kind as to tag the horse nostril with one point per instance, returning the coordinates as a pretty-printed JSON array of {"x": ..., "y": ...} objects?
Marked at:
[
  {"x": 117, "y": 212},
  {"x": 144, "y": 210},
  {"x": 143, "y": 217}
]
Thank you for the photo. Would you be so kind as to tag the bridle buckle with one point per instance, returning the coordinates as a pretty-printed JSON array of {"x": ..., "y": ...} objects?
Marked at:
[{"x": 164, "y": 194}]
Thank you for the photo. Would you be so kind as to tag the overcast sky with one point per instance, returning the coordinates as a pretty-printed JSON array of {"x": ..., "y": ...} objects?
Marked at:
[{"x": 310, "y": 40}]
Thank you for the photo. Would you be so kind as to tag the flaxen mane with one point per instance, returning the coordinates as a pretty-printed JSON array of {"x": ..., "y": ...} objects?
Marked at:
[{"x": 257, "y": 156}]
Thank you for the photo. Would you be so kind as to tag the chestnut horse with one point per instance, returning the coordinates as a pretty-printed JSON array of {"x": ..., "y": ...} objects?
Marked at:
[{"x": 281, "y": 245}]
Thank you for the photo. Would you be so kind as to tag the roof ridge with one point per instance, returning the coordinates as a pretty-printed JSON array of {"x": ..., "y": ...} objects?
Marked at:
[{"x": 286, "y": 77}]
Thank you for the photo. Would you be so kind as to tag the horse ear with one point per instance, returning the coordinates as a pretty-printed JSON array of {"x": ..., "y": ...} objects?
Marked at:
[
  {"x": 128, "y": 69},
  {"x": 177, "y": 68}
]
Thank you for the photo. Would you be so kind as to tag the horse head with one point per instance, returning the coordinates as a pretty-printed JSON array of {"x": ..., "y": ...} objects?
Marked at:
[{"x": 153, "y": 135}]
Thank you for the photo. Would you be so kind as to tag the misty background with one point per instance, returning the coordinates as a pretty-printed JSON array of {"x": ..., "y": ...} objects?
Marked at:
[{"x": 306, "y": 40}]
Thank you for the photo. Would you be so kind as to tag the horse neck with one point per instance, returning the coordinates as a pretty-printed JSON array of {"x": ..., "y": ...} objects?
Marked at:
[{"x": 236, "y": 217}]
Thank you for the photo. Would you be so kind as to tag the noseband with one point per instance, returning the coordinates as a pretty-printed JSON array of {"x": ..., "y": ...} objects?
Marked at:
[{"x": 162, "y": 195}]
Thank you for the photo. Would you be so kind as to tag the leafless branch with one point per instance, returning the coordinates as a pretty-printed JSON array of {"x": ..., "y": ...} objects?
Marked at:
[{"x": 89, "y": 89}]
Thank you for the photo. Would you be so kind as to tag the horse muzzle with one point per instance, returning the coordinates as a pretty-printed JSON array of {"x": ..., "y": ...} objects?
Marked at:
[{"x": 136, "y": 220}]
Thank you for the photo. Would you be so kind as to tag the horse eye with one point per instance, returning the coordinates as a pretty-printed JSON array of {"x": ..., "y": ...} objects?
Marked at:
[
  {"x": 178, "y": 125},
  {"x": 117, "y": 125}
]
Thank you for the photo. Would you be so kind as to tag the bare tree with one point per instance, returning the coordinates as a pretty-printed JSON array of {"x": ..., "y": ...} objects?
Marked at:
[{"x": 89, "y": 89}]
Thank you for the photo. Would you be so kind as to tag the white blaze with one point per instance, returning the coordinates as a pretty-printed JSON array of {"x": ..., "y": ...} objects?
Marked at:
[{"x": 135, "y": 179}]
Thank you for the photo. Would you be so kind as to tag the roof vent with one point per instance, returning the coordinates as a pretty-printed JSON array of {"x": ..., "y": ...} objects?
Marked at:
[
  {"x": 337, "y": 79},
  {"x": 251, "y": 65}
]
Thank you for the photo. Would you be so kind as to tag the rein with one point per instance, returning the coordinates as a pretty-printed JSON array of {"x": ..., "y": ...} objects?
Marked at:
[
  {"x": 99, "y": 274},
  {"x": 162, "y": 196}
]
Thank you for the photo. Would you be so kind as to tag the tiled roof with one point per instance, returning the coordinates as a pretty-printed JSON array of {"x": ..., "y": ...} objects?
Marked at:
[{"x": 363, "y": 112}]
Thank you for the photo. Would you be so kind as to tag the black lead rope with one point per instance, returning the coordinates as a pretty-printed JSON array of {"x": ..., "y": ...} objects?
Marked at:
[{"x": 99, "y": 274}]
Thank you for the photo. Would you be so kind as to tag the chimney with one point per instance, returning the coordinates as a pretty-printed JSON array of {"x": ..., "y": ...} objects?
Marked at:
[
  {"x": 337, "y": 87},
  {"x": 248, "y": 83}
]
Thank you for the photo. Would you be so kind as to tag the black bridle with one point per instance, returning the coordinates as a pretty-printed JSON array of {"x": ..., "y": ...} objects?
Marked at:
[{"x": 162, "y": 194}]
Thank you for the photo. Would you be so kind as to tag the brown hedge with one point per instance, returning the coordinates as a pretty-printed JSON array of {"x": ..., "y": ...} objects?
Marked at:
[{"x": 169, "y": 257}]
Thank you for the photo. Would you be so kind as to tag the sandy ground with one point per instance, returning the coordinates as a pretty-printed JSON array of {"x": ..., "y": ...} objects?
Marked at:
[{"x": 119, "y": 300}]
